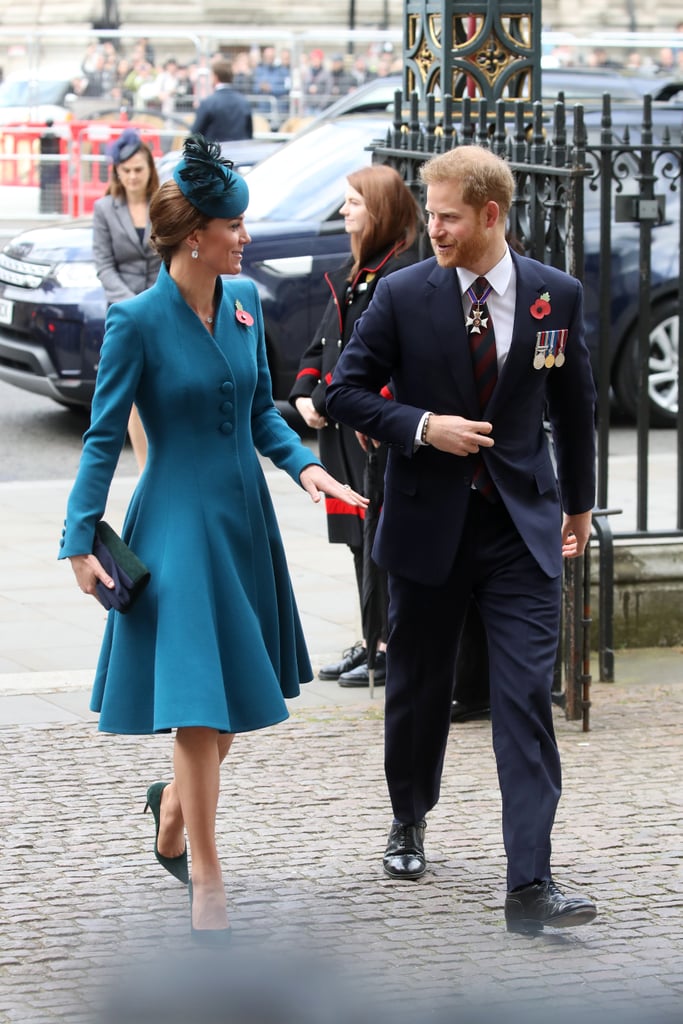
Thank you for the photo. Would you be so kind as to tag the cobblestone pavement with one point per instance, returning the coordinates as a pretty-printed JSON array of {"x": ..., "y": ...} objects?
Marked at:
[
  {"x": 302, "y": 822},
  {"x": 89, "y": 921}
]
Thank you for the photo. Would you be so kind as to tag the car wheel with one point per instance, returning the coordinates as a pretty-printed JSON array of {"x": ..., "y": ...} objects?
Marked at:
[{"x": 662, "y": 368}]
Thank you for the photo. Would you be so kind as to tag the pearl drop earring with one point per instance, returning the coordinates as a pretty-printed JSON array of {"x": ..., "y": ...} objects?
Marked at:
[{"x": 195, "y": 254}]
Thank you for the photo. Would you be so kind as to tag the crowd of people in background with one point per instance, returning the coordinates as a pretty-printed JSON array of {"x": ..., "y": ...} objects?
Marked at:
[
  {"x": 668, "y": 60},
  {"x": 280, "y": 84},
  {"x": 274, "y": 84}
]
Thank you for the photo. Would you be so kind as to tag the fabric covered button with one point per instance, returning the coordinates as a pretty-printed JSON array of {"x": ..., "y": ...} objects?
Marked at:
[
  {"x": 61, "y": 543},
  {"x": 226, "y": 406},
  {"x": 227, "y": 387},
  {"x": 226, "y": 428}
]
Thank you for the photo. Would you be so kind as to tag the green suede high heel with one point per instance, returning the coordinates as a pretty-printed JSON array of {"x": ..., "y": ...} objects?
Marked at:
[
  {"x": 176, "y": 865},
  {"x": 215, "y": 937}
]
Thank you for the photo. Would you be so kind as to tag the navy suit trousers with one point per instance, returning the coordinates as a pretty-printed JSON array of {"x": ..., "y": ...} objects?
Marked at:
[{"x": 520, "y": 608}]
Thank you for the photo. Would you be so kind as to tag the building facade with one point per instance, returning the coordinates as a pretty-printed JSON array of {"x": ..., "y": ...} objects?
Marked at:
[{"x": 578, "y": 16}]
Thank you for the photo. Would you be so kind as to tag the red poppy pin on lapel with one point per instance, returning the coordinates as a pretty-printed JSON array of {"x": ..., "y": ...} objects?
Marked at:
[
  {"x": 541, "y": 306},
  {"x": 242, "y": 316}
]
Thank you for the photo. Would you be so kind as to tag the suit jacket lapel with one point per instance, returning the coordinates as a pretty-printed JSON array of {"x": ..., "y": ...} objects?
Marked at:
[
  {"x": 126, "y": 222},
  {"x": 530, "y": 284},
  {"x": 445, "y": 305}
]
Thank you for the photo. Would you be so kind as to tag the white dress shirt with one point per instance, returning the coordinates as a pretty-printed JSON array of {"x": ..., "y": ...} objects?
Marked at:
[{"x": 500, "y": 304}]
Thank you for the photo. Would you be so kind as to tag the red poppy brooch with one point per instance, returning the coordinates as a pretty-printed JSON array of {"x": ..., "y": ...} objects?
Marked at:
[
  {"x": 243, "y": 316},
  {"x": 541, "y": 306}
]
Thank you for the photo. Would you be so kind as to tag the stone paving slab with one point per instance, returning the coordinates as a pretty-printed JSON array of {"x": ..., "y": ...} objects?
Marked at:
[
  {"x": 302, "y": 822},
  {"x": 86, "y": 912}
]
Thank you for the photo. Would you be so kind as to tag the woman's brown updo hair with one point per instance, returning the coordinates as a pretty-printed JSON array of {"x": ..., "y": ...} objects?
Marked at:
[{"x": 173, "y": 218}]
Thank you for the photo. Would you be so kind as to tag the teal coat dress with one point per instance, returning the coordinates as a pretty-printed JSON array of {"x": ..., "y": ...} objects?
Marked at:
[{"x": 215, "y": 640}]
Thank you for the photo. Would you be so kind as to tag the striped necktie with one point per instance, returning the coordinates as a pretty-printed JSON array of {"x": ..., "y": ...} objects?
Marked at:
[{"x": 482, "y": 341}]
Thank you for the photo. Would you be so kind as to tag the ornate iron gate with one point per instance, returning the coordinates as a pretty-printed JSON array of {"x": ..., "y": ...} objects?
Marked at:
[{"x": 580, "y": 179}]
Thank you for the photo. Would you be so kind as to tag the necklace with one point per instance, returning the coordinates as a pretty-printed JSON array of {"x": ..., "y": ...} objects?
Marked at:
[{"x": 208, "y": 319}]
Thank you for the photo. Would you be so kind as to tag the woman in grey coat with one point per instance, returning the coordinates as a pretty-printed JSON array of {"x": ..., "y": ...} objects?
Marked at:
[{"x": 126, "y": 262}]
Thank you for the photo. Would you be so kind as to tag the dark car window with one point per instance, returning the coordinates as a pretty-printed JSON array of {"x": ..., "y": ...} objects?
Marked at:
[
  {"x": 304, "y": 180},
  {"x": 578, "y": 86},
  {"x": 50, "y": 246},
  {"x": 375, "y": 95}
]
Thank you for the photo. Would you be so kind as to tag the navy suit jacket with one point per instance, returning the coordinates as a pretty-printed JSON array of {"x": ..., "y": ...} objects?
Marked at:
[
  {"x": 224, "y": 116},
  {"x": 413, "y": 334}
]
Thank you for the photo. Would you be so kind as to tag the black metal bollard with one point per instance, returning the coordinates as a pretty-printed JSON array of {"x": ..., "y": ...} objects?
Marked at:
[{"x": 50, "y": 172}]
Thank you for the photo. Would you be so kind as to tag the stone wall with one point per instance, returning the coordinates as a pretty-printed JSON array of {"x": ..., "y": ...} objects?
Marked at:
[
  {"x": 579, "y": 17},
  {"x": 648, "y": 593},
  {"x": 594, "y": 15}
]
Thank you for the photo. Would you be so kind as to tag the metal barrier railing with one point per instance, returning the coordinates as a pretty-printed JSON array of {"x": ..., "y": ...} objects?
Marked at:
[
  {"x": 62, "y": 170},
  {"x": 573, "y": 677}
]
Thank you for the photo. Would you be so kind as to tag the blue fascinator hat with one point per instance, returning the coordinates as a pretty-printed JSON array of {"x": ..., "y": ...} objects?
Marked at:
[
  {"x": 123, "y": 148},
  {"x": 208, "y": 181}
]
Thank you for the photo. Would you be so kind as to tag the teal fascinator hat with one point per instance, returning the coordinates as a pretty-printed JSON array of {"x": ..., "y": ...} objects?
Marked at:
[{"x": 208, "y": 181}]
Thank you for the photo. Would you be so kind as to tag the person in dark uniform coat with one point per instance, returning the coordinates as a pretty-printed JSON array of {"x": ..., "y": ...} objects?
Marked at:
[
  {"x": 480, "y": 344},
  {"x": 381, "y": 217},
  {"x": 225, "y": 115}
]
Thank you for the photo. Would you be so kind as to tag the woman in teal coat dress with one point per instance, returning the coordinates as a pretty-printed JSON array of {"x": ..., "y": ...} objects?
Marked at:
[{"x": 214, "y": 644}]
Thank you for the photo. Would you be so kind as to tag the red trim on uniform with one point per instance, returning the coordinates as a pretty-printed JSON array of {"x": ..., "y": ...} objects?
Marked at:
[
  {"x": 310, "y": 371},
  {"x": 386, "y": 392},
  {"x": 340, "y": 318},
  {"x": 373, "y": 270},
  {"x": 337, "y": 507},
  {"x": 328, "y": 378}
]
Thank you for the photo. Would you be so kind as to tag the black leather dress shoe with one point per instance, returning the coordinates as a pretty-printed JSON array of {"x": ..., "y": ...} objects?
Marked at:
[
  {"x": 462, "y": 712},
  {"x": 529, "y": 909},
  {"x": 360, "y": 675},
  {"x": 404, "y": 856},
  {"x": 350, "y": 659}
]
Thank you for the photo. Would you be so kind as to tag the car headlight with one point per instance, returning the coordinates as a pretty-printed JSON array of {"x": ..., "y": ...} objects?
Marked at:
[{"x": 76, "y": 275}]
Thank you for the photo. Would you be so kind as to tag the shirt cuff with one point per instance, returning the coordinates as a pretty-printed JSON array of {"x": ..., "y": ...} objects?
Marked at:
[{"x": 419, "y": 443}]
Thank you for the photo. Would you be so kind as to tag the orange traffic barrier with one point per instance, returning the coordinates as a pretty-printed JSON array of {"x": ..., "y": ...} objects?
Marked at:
[
  {"x": 20, "y": 150},
  {"x": 67, "y": 161},
  {"x": 85, "y": 175}
]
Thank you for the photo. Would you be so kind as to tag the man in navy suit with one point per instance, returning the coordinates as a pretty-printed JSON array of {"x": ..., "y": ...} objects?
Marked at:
[
  {"x": 480, "y": 345},
  {"x": 225, "y": 115}
]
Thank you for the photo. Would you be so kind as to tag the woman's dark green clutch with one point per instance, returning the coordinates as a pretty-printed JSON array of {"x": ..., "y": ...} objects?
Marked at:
[{"x": 130, "y": 575}]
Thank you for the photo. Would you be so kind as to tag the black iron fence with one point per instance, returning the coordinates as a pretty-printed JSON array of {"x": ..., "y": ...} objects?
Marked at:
[{"x": 598, "y": 195}]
